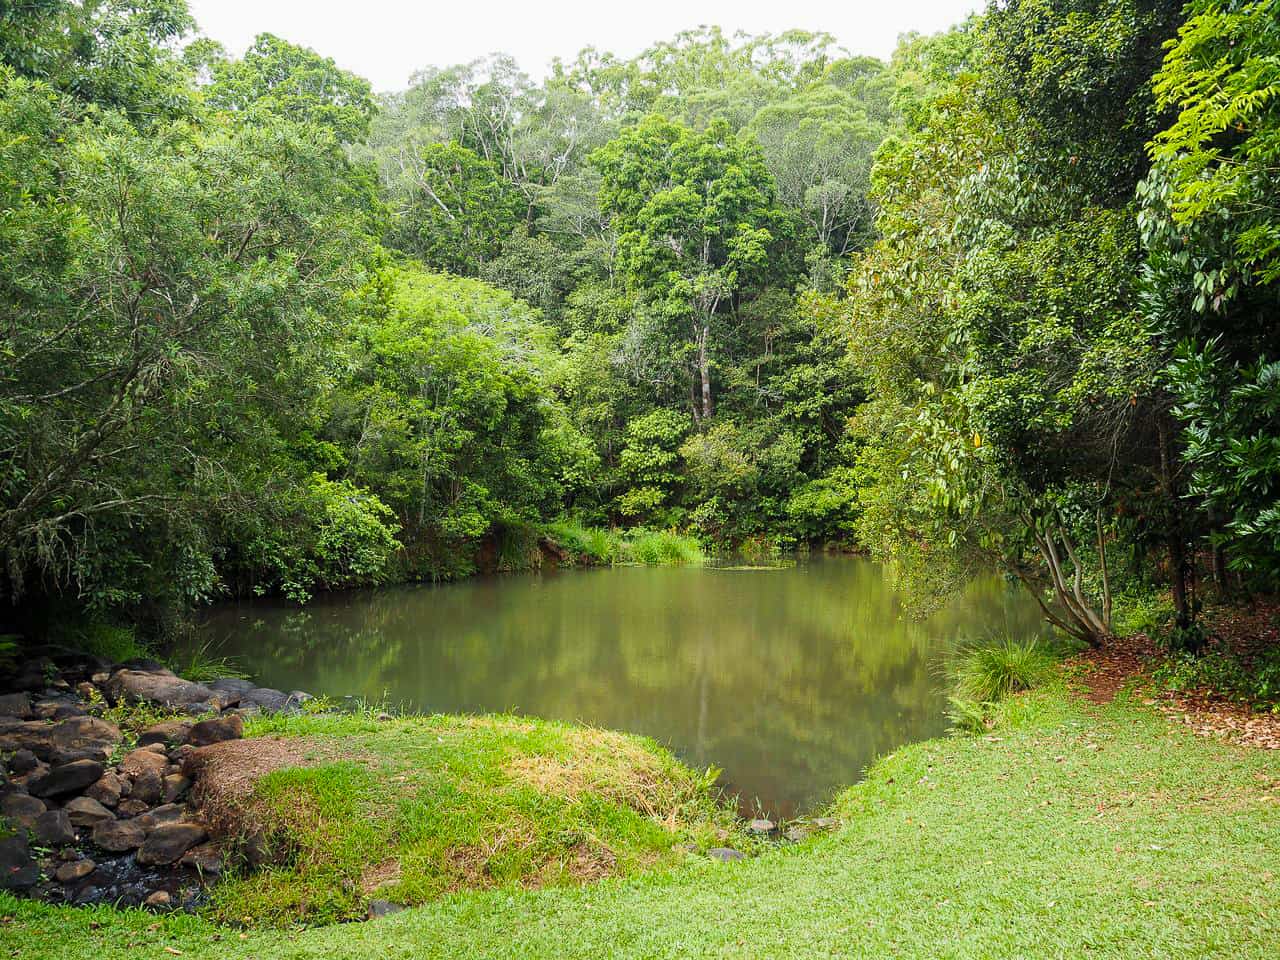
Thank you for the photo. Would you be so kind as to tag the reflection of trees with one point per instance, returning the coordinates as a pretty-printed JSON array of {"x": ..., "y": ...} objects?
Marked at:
[{"x": 791, "y": 680}]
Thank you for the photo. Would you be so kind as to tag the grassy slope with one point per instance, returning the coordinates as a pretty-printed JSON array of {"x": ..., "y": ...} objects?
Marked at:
[{"x": 1074, "y": 835}]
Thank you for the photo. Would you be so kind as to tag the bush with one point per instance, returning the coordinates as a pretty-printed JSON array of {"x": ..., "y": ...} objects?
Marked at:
[
  {"x": 1250, "y": 679},
  {"x": 987, "y": 672},
  {"x": 655, "y": 548},
  {"x": 595, "y": 544}
]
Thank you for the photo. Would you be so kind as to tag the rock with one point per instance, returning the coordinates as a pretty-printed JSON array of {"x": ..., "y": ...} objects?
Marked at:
[
  {"x": 216, "y": 730},
  {"x": 85, "y": 690},
  {"x": 131, "y": 808},
  {"x": 72, "y": 872},
  {"x": 175, "y": 786},
  {"x": 160, "y": 687},
  {"x": 725, "y": 854},
  {"x": 266, "y": 699},
  {"x": 21, "y": 809},
  {"x": 761, "y": 826},
  {"x": 58, "y": 710},
  {"x": 147, "y": 665},
  {"x": 87, "y": 812},
  {"x": 53, "y": 829},
  {"x": 797, "y": 833},
  {"x": 148, "y": 787},
  {"x": 143, "y": 759},
  {"x": 825, "y": 823},
  {"x": 15, "y": 705},
  {"x": 77, "y": 738},
  {"x": 65, "y": 778},
  {"x": 34, "y": 674},
  {"x": 170, "y": 841},
  {"x": 169, "y": 732},
  {"x": 158, "y": 900},
  {"x": 231, "y": 688},
  {"x": 205, "y": 859},
  {"x": 107, "y": 790},
  {"x": 22, "y": 761},
  {"x": 39, "y": 770},
  {"x": 119, "y": 835},
  {"x": 382, "y": 908},
  {"x": 18, "y": 868},
  {"x": 165, "y": 813}
]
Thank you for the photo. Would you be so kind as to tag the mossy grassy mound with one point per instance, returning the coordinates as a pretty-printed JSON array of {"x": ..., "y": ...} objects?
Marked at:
[{"x": 354, "y": 809}]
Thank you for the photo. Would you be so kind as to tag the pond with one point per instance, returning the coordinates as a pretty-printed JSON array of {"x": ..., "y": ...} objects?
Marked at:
[{"x": 790, "y": 680}]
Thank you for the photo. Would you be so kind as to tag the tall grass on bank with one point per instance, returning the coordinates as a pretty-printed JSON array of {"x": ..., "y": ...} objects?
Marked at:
[
  {"x": 663, "y": 547},
  {"x": 639, "y": 546},
  {"x": 983, "y": 673}
]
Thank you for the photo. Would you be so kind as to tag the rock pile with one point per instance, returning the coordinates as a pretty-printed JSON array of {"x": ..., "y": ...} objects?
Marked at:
[{"x": 94, "y": 818}]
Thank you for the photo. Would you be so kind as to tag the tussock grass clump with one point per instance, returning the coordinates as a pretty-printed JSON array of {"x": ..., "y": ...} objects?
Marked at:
[
  {"x": 595, "y": 544},
  {"x": 663, "y": 547},
  {"x": 410, "y": 810},
  {"x": 639, "y": 546},
  {"x": 986, "y": 673}
]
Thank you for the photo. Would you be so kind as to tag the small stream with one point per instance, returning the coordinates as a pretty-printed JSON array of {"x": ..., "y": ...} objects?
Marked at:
[{"x": 790, "y": 680}]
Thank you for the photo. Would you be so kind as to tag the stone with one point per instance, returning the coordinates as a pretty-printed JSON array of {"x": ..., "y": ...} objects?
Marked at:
[
  {"x": 158, "y": 900},
  {"x": 15, "y": 705},
  {"x": 77, "y": 738},
  {"x": 21, "y": 809},
  {"x": 18, "y": 868},
  {"x": 143, "y": 759},
  {"x": 53, "y": 829},
  {"x": 131, "y": 808},
  {"x": 825, "y": 823},
  {"x": 761, "y": 825},
  {"x": 265, "y": 699},
  {"x": 797, "y": 833},
  {"x": 161, "y": 688},
  {"x": 725, "y": 854},
  {"x": 87, "y": 812},
  {"x": 85, "y": 690},
  {"x": 175, "y": 786},
  {"x": 73, "y": 872},
  {"x": 119, "y": 835},
  {"x": 147, "y": 665},
  {"x": 169, "y": 841},
  {"x": 107, "y": 790},
  {"x": 382, "y": 908},
  {"x": 148, "y": 787},
  {"x": 206, "y": 860},
  {"x": 65, "y": 778},
  {"x": 169, "y": 732},
  {"x": 22, "y": 761},
  {"x": 231, "y": 688},
  {"x": 216, "y": 730}
]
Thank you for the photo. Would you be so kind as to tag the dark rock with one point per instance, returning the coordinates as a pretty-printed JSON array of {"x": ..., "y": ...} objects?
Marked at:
[
  {"x": 79, "y": 738},
  {"x": 169, "y": 841},
  {"x": 39, "y": 770},
  {"x": 85, "y": 690},
  {"x": 205, "y": 859},
  {"x": 825, "y": 823},
  {"x": 725, "y": 854},
  {"x": 147, "y": 665},
  {"x": 53, "y": 829},
  {"x": 216, "y": 730},
  {"x": 158, "y": 900},
  {"x": 161, "y": 688},
  {"x": 15, "y": 705},
  {"x": 119, "y": 835},
  {"x": 148, "y": 787},
  {"x": 232, "y": 689},
  {"x": 175, "y": 786},
  {"x": 107, "y": 790},
  {"x": 165, "y": 813},
  {"x": 22, "y": 809},
  {"x": 131, "y": 808},
  {"x": 18, "y": 868},
  {"x": 34, "y": 674},
  {"x": 761, "y": 826},
  {"x": 73, "y": 872},
  {"x": 265, "y": 699},
  {"x": 66, "y": 778},
  {"x": 170, "y": 732},
  {"x": 382, "y": 908},
  {"x": 202, "y": 709},
  {"x": 87, "y": 812},
  {"x": 798, "y": 832},
  {"x": 58, "y": 710},
  {"x": 140, "y": 761},
  {"x": 22, "y": 761}
]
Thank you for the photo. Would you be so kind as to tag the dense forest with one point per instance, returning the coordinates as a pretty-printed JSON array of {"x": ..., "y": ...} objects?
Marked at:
[{"x": 1006, "y": 301}]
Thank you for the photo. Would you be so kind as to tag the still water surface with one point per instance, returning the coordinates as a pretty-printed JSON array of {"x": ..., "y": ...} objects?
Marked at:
[{"x": 789, "y": 680}]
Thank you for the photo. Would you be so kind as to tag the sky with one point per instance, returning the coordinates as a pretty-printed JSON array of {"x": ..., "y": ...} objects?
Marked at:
[{"x": 387, "y": 40}]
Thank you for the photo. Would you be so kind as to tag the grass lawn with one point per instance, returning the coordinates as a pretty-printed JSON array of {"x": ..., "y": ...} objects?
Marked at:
[{"x": 1075, "y": 831}]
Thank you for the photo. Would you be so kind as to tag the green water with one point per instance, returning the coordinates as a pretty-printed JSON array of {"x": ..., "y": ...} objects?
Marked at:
[{"x": 789, "y": 680}]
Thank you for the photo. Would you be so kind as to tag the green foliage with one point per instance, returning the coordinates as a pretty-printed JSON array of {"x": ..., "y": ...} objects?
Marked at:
[
  {"x": 986, "y": 672},
  {"x": 662, "y": 548},
  {"x": 1253, "y": 680},
  {"x": 649, "y": 460}
]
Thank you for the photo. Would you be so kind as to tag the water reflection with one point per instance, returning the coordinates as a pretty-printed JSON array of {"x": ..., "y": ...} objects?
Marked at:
[{"x": 790, "y": 680}]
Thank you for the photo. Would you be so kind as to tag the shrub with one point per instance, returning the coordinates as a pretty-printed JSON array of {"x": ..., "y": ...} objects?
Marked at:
[
  {"x": 986, "y": 672},
  {"x": 654, "y": 548}
]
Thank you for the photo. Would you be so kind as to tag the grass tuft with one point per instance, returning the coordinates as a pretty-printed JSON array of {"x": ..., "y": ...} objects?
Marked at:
[{"x": 987, "y": 672}]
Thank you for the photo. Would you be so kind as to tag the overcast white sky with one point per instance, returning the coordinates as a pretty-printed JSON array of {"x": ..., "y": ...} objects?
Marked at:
[{"x": 387, "y": 40}]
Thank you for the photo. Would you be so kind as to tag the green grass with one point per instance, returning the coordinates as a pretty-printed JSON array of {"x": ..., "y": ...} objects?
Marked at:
[
  {"x": 1067, "y": 832},
  {"x": 411, "y": 809},
  {"x": 985, "y": 673},
  {"x": 663, "y": 547},
  {"x": 639, "y": 546}
]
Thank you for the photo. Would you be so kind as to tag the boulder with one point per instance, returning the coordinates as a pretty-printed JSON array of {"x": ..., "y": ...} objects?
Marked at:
[
  {"x": 265, "y": 699},
  {"x": 165, "y": 813},
  {"x": 18, "y": 868},
  {"x": 169, "y": 732},
  {"x": 139, "y": 761},
  {"x": 216, "y": 730},
  {"x": 15, "y": 705},
  {"x": 119, "y": 835},
  {"x": 131, "y": 808},
  {"x": 22, "y": 761},
  {"x": 107, "y": 790},
  {"x": 21, "y": 809},
  {"x": 87, "y": 812},
  {"x": 164, "y": 689},
  {"x": 232, "y": 688},
  {"x": 75, "y": 871},
  {"x": 158, "y": 900},
  {"x": 148, "y": 787},
  {"x": 725, "y": 854},
  {"x": 761, "y": 826},
  {"x": 169, "y": 841},
  {"x": 175, "y": 786},
  {"x": 53, "y": 829},
  {"x": 77, "y": 738},
  {"x": 65, "y": 778},
  {"x": 205, "y": 859}
]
